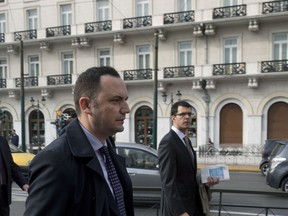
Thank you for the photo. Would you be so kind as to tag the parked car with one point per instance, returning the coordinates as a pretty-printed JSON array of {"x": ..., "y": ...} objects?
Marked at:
[
  {"x": 143, "y": 169},
  {"x": 277, "y": 175},
  {"x": 22, "y": 159},
  {"x": 266, "y": 151}
]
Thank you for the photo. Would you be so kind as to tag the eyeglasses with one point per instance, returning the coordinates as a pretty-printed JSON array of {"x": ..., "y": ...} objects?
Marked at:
[{"x": 182, "y": 115}]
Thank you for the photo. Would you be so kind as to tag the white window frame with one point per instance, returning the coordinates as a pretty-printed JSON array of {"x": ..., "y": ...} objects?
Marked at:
[
  {"x": 233, "y": 54},
  {"x": 3, "y": 23},
  {"x": 142, "y": 8},
  {"x": 67, "y": 60},
  {"x": 104, "y": 59},
  {"x": 66, "y": 14},
  {"x": 143, "y": 56},
  {"x": 33, "y": 65},
  {"x": 102, "y": 10},
  {"x": 32, "y": 20},
  {"x": 185, "y": 54},
  {"x": 184, "y": 5},
  {"x": 3, "y": 68},
  {"x": 281, "y": 45}
]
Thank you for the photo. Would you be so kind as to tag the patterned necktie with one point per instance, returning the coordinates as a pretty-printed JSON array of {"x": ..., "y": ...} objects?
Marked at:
[
  {"x": 114, "y": 180},
  {"x": 189, "y": 148}
]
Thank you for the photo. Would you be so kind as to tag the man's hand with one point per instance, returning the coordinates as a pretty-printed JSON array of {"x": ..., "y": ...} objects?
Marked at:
[
  {"x": 212, "y": 181},
  {"x": 184, "y": 214},
  {"x": 25, "y": 187}
]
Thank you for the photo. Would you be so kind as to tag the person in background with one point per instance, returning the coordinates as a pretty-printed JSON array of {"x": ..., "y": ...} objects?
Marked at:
[
  {"x": 180, "y": 194},
  {"x": 9, "y": 171},
  {"x": 15, "y": 138},
  {"x": 72, "y": 175}
]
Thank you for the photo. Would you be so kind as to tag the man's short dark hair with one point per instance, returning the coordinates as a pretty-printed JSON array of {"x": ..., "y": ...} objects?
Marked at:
[
  {"x": 174, "y": 108},
  {"x": 88, "y": 83}
]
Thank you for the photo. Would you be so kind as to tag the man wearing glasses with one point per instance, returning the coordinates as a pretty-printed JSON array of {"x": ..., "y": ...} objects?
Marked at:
[{"x": 178, "y": 167}]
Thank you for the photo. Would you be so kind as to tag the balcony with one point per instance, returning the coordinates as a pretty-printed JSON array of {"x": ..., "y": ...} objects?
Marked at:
[
  {"x": 176, "y": 72},
  {"x": 274, "y": 66},
  {"x": 274, "y": 7},
  {"x": 58, "y": 31},
  {"x": 229, "y": 69},
  {"x": 2, "y": 83},
  {"x": 25, "y": 35},
  {"x": 137, "y": 22},
  {"x": 139, "y": 74},
  {"x": 179, "y": 17},
  {"x": 230, "y": 11},
  {"x": 98, "y": 26},
  {"x": 28, "y": 81},
  {"x": 2, "y": 37},
  {"x": 62, "y": 79}
]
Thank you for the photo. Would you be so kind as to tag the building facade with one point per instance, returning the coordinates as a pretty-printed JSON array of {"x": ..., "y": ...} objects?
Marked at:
[{"x": 228, "y": 58}]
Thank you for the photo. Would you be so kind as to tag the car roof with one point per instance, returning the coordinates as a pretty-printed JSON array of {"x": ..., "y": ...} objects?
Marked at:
[{"x": 135, "y": 145}]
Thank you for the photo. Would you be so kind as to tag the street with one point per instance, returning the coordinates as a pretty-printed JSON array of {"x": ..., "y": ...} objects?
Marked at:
[{"x": 238, "y": 180}]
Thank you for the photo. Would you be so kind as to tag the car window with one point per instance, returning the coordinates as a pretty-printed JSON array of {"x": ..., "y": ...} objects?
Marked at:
[
  {"x": 137, "y": 158},
  {"x": 14, "y": 149},
  {"x": 277, "y": 149}
]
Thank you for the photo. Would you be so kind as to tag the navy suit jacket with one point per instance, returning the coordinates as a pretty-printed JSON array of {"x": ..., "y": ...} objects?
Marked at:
[
  {"x": 12, "y": 170},
  {"x": 180, "y": 191},
  {"x": 67, "y": 179}
]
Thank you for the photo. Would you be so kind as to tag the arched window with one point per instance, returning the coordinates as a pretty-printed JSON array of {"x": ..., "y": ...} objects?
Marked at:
[
  {"x": 144, "y": 125},
  {"x": 37, "y": 130},
  {"x": 231, "y": 125},
  {"x": 6, "y": 124},
  {"x": 278, "y": 121}
]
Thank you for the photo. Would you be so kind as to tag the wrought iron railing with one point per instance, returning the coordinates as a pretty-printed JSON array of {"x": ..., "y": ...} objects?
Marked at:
[
  {"x": 28, "y": 81},
  {"x": 98, "y": 26},
  {"x": 25, "y": 35},
  {"x": 2, "y": 83},
  {"x": 58, "y": 31},
  {"x": 229, "y": 69},
  {"x": 59, "y": 79},
  {"x": 139, "y": 74},
  {"x": 179, "y": 17},
  {"x": 181, "y": 71},
  {"x": 229, "y": 11},
  {"x": 2, "y": 37},
  {"x": 136, "y": 22},
  {"x": 274, "y": 66},
  {"x": 274, "y": 6}
]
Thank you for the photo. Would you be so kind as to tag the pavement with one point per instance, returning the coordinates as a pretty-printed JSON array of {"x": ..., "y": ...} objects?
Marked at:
[{"x": 246, "y": 168}]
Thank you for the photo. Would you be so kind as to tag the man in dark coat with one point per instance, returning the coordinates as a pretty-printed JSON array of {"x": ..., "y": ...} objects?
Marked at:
[
  {"x": 178, "y": 167},
  {"x": 69, "y": 176},
  {"x": 8, "y": 171}
]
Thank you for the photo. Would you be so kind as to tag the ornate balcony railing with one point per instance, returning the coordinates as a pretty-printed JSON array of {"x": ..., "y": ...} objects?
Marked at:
[
  {"x": 2, "y": 37},
  {"x": 136, "y": 22},
  {"x": 98, "y": 26},
  {"x": 229, "y": 69},
  {"x": 274, "y": 66},
  {"x": 25, "y": 35},
  {"x": 274, "y": 6},
  {"x": 2, "y": 83},
  {"x": 59, "y": 79},
  {"x": 230, "y": 11},
  {"x": 181, "y": 71},
  {"x": 179, "y": 17},
  {"x": 28, "y": 81},
  {"x": 58, "y": 31},
  {"x": 139, "y": 74}
]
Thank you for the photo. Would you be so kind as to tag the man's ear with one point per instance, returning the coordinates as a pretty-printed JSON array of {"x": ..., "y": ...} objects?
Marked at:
[{"x": 85, "y": 105}]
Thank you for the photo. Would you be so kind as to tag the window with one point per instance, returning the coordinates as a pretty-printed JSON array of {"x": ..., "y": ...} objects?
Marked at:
[
  {"x": 143, "y": 54},
  {"x": 66, "y": 14},
  {"x": 32, "y": 19},
  {"x": 102, "y": 10},
  {"x": 3, "y": 68},
  {"x": 1, "y": 1},
  {"x": 2, "y": 23},
  {"x": 184, "y": 5},
  {"x": 230, "y": 50},
  {"x": 227, "y": 3},
  {"x": 142, "y": 8},
  {"x": 144, "y": 126},
  {"x": 280, "y": 46},
  {"x": 185, "y": 53},
  {"x": 67, "y": 63},
  {"x": 104, "y": 57},
  {"x": 33, "y": 67}
]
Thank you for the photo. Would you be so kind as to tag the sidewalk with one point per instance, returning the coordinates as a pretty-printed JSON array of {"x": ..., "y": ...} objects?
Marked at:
[{"x": 246, "y": 168}]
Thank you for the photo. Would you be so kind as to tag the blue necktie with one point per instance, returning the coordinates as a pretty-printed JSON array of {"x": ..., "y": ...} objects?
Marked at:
[{"x": 114, "y": 180}]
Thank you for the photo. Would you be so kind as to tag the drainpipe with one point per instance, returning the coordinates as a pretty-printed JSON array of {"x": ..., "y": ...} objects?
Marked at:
[{"x": 206, "y": 99}]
